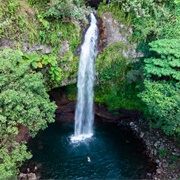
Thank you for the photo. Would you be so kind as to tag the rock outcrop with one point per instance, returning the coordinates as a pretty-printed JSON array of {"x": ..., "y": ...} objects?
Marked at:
[
  {"x": 111, "y": 31},
  {"x": 28, "y": 176},
  {"x": 23, "y": 133}
]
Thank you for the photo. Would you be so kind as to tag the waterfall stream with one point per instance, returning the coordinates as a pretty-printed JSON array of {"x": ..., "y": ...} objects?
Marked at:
[{"x": 84, "y": 114}]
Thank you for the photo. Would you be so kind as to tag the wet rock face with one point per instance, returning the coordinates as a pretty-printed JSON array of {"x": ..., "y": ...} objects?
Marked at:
[
  {"x": 102, "y": 36},
  {"x": 111, "y": 31}
]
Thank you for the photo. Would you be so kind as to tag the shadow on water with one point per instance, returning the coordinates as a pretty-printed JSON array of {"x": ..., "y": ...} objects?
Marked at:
[{"x": 114, "y": 154}]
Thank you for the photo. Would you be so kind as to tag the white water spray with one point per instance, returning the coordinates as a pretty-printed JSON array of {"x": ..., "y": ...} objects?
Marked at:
[{"x": 84, "y": 114}]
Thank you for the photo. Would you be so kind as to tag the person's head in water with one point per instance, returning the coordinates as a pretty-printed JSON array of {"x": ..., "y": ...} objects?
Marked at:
[{"x": 88, "y": 159}]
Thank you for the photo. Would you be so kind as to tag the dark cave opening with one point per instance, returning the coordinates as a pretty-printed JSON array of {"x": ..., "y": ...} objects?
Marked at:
[{"x": 93, "y": 3}]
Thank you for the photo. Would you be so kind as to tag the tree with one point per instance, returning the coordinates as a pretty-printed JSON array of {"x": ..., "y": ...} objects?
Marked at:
[
  {"x": 23, "y": 101},
  {"x": 161, "y": 85}
]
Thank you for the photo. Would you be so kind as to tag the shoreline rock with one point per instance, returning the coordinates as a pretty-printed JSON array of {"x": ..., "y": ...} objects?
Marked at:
[
  {"x": 27, "y": 176},
  {"x": 162, "y": 150}
]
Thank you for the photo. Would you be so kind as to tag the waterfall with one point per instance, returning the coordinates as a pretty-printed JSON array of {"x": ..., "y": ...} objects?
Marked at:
[{"x": 84, "y": 114}]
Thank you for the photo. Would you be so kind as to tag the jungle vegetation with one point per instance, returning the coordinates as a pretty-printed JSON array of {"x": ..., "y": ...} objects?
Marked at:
[{"x": 150, "y": 85}]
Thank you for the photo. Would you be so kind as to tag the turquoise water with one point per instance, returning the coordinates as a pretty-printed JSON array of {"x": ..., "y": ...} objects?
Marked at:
[{"x": 113, "y": 151}]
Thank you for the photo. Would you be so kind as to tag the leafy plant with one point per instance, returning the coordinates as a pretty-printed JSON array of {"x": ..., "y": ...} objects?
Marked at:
[
  {"x": 166, "y": 62},
  {"x": 71, "y": 91},
  {"x": 11, "y": 160},
  {"x": 42, "y": 2},
  {"x": 45, "y": 64},
  {"x": 119, "y": 96}
]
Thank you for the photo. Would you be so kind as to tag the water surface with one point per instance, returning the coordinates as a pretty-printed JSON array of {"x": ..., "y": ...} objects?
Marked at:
[{"x": 114, "y": 154}]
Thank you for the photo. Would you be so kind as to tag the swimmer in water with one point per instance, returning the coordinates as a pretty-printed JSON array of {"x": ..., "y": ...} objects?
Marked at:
[{"x": 88, "y": 159}]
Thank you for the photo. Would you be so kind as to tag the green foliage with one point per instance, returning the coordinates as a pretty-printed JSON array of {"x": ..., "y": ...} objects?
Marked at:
[
  {"x": 16, "y": 20},
  {"x": 79, "y": 3},
  {"x": 22, "y": 22},
  {"x": 113, "y": 89},
  {"x": 71, "y": 91},
  {"x": 10, "y": 159},
  {"x": 162, "y": 87},
  {"x": 163, "y": 102},
  {"x": 163, "y": 21},
  {"x": 55, "y": 33},
  {"x": 174, "y": 157},
  {"x": 26, "y": 24},
  {"x": 141, "y": 8},
  {"x": 117, "y": 13},
  {"x": 69, "y": 67},
  {"x": 47, "y": 65},
  {"x": 60, "y": 9},
  {"x": 71, "y": 33},
  {"x": 166, "y": 61},
  {"x": 64, "y": 9},
  {"x": 42, "y": 2},
  {"x": 119, "y": 96},
  {"x": 63, "y": 37},
  {"x": 23, "y": 101},
  {"x": 151, "y": 19},
  {"x": 111, "y": 64}
]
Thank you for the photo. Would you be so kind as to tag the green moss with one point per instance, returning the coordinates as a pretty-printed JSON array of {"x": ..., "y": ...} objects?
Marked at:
[
  {"x": 119, "y": 96},
  {"x": 174, "y": 157},
  {"x": 162, "y": 153},
  {"x": 71, "y": 91},
  {"x": 111, "y": 64},
  {"x": 113, "y": 89},
  {"x": 69, "y": 65}
]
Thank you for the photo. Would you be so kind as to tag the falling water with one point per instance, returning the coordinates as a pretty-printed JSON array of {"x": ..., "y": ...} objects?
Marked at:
[{"x": 84, "y": 115}]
